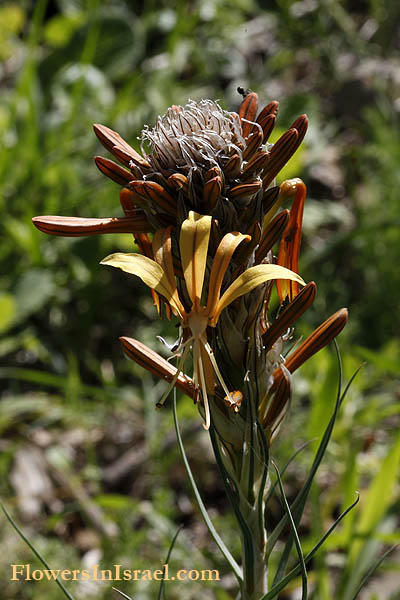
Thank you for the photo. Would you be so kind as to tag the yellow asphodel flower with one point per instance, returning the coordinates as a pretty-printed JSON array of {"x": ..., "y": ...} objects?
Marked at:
[{"x": 159, "y": 275}]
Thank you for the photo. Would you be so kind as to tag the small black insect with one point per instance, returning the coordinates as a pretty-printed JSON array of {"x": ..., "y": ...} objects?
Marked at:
[{"x": 243, "y": 92}]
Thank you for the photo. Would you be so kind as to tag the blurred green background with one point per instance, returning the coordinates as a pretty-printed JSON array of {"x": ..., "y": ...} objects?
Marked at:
[{"x": 88, "y": 468}]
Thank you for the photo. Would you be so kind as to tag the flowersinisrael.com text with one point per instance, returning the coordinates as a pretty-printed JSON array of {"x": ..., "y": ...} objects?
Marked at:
[{"x": 116, "y": 573}]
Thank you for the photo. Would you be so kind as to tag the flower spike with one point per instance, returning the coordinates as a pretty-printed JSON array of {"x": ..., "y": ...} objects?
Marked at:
[
  {"x": 203, "y": 211},
  {"x": 271, "y": 234}
]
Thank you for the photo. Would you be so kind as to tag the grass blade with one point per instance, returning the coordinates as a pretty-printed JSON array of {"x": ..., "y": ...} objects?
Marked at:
[
  {"x": 36, "y": 552},
  {"x": 161, "y": 590},
  {"x": 377, "y": 501},
  {"x": 298, "y": 504},
  {"x": 297, "y": 569},
  {"x": 372, "y": 570},
  {"x": 233, "y": 495},
  {"x": 295, "y": 535},
  {"x": 291, "y": 459},
  {"x": 122, "y": 594}
]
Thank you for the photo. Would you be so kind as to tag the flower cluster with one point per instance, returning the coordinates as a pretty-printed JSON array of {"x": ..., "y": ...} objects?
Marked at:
[{"x": 202, "y": 204}]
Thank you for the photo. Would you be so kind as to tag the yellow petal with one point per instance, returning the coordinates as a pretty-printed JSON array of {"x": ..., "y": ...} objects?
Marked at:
[
  {"x": 149, "y": 272},
  {"x": 248, "y": 280},
  {"x": 222, "y": 258},
  {"x": 162, "y": 251},
  {"x": 193, "y": 243}
]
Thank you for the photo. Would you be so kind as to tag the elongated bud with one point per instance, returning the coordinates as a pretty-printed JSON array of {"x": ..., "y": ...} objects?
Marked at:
[
  {"x": 127, "y": 200},
  {"x": 289, "y": 249},
  {"x": 212, "y": 192},
  {"x": 112, "y": 170},
  {"x": 324, "y": 334},
  {"x": 279, "y": 403},
  {"x": 155, "y": 194},
  {"x": 78, "y": 227},
  {"x": 290, "y": 314},
  {"x": 254, "y": 142},
  {"x": 271, "y": 109},
  {"x": 179, "y": 181},
  {"x": 271, "y": 235},
  {"x": 232, "y": 166},
  {"x": 245, "y": 190},
  {"x": 213, "y": 172},
  {"x": 117, "y": 146},
  {"x": 284, "y": 148},
  {"x": 245, "y": 250},
  {"x": 256, "y": 165},
  {"x": 248, "y": 111},
  {"x": 266, "y": 119},
  {"x": 301, "y": 124},
  {"x": 270, "y": 198},
  {"x": 156, "y": 364}
]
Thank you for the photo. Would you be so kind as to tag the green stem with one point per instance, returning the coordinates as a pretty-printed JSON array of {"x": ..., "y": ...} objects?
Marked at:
[
  {"x": 255, "y": 572},
  {"x": 253, "y": 537}
]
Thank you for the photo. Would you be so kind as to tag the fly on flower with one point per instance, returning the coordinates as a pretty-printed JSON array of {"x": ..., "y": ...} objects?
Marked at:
[{"x": 159, "y": 275}]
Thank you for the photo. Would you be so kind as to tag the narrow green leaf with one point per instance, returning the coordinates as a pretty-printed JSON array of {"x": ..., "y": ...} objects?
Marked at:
[
  {"x": 233, "y": 496},
  {"x": 247, "y": 472},
  {"x": 161, "y": 590},
  {"x": 372, "y": 570},
  {"x": 262, "y": 503},
  {"x": 299, "y": 503},
  {"x": 295, "y": 535},
  {"x": 274, "y": 591},
  {"x": 36, "y": 552},
  {"x": 122, "y": 594},
  {"x": 291, "y": 459}
]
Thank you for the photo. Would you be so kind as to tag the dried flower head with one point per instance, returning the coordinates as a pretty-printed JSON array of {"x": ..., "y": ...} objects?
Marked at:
[{"x": 200, "y": 135}]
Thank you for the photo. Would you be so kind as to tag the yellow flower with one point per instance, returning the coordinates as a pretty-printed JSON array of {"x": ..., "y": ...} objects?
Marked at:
[{"x": 159, "y": 275}]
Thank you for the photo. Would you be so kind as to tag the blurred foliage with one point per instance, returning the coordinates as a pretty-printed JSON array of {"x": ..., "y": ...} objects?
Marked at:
[{"x": 104, "y": 472}]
